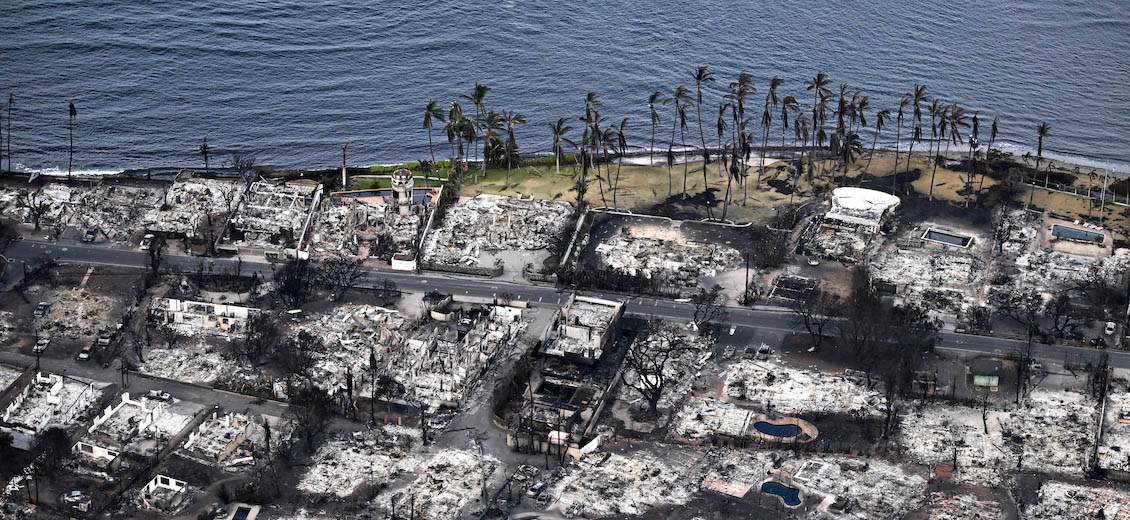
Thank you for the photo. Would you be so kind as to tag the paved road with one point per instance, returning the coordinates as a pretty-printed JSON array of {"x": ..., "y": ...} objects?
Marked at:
[{"x": 763, "y": 318}]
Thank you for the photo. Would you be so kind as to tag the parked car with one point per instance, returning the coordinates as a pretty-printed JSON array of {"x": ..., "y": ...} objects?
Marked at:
[
  {"x": 42, "y": 343},
  {"x": 159, "y": 395},
  {"x": 146, "y": 241},
  {"x": 763, "y": 352},
  {"x": 1110, "y": 326},
  {"x": 87, "y": 350},
  {"x": 104, "y": 339},
  {"x": 90, "y": 234},
  {"x": 41, "y": 309}
]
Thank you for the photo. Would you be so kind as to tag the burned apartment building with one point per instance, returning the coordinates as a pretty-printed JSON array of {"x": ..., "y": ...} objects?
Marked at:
[
  {"x": 566, "y": 393},
  {"x": 386, "y": 224},
  {"x": 582, "y": 329},
  {"x": 138, "y": 427},
  {"x": 193, "y": 317},
  {"x": 847, "y": 231},
  {"x": 272, "y": 219}
]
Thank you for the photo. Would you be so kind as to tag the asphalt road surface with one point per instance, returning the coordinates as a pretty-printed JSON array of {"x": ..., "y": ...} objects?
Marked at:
[{"x": 762, "y": 317}]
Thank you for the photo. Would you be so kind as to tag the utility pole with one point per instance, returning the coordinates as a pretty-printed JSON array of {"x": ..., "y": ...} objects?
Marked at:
[{"x": 343, "y": 179}]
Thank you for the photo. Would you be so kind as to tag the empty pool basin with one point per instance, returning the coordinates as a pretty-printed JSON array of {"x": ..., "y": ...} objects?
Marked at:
[
  {"x": 777, "y": 430},
  {"x": 788, "y": 495},
  {"x": 947, "y": 238},
  {"x": 1081, "y": 235}
]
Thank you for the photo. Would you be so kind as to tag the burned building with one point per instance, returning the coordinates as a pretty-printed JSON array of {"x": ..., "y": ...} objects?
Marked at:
[
  {"x": 193, "y": 316},
  {"x": 848, "y": 229},
  {"x": 583, "y": 328},
  {"x": 46, "y": 401},
  {"x": 273, "y": 219}
]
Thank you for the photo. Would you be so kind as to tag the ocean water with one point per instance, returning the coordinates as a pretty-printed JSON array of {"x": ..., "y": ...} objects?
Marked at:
[{"x": 292, "y": 81}]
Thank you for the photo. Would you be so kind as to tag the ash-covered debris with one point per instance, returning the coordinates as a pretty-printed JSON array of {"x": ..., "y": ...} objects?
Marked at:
[
  {"x": 1114, "y": 445},
  {"x": 447, "y": 485},
  {"x": 962, "y": 506},
  {"x": 345, "y": 462},
  {"x": 665, "y": 254},
  {"x": 189, "y": 204},
  {"x": 854, "y": 486},
  {"x": 602, "y": 484},
  {"x": 487, "y": 223},
  {"x": 1059, "y": 500},
  {"x": 77, "y": 313},
  {"x": 789, "y": 390},
  {"x": 377, "y": 223},
  {"x": 1051, "y": 433}
]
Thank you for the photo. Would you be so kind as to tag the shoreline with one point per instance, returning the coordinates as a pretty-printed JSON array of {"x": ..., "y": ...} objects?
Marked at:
[{"x": 1058, "y": 161}]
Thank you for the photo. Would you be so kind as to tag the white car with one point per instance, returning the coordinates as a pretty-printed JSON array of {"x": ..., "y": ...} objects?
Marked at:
[
  {"x": 146, "y": 241},
  {"x": 1110, "y": 326},
  {"x": 42, "y": 344}
]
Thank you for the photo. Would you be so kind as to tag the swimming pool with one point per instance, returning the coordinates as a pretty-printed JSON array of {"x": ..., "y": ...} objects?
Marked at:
[
  {"x": 789, "y": 496},
  {"x": 777, "y": 430},
  {"x": 952, "y": 239},
  {"x": 1081, "y": 235}
]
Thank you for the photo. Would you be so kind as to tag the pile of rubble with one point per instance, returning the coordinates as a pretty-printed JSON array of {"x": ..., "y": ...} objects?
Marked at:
[
  {"x": 737, "y": 472},
  {"x": 271, "y": 213},
  {"x": 706, "y": 417},
  {"x": 867, "y": 488},
  {"x": 1058, "y": 500},
  {"x": 945, "y": 279},
  {"x": 349, "y": 338},
  {"x": 788, "y": 390},
  {"x": 117, "y": 211},
  {"x": 962, "y": 506},
  {"x": 6, "y": 325},
  {"x": 50, "y": 400},
  {"x": 445, "y": 486},
  {"x": 76, "y": 313},
  {"x": 1114, "y": 446},
  {"x": 57, "y": 200},
  {"x": 345, "y": 462},
  {"x": 1051, "y": 433},
  {"x": 492, "y": 223},
  {"x": 356, "y": 227},
  {"x": 199, "y": 362},
  {"x": 603, "y": 484},
  {"x": 675, "y": 261},
  {"x": 1049, "y": 270},
  {"x": 8, "y": 376},
  {"x": 188, "y": 203}
]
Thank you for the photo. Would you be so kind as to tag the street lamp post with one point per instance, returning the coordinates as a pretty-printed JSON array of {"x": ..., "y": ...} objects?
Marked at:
[{"x": 343, "y": 150}]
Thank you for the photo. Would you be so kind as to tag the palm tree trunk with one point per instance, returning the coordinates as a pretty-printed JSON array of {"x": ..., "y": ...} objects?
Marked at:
[
  {"x": 616, "y": 187},
  {"x": 895, "y": 171},
  {"x": 764, "y": 146},
  {"x": 874, "y": 142},
  {"x": 686, "y": 163},
  {"x": 556, "y": 157},
  {"x": 71, "y": 153},
  {"x": 651, "y": 151},
  {"x": 932, "y": 174}
]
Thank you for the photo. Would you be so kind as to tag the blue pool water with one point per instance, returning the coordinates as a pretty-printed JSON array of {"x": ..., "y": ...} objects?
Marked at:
[
  {"x": 1077, "y": 234},
  {"x": 947, "y": 238},
  {"x": 790, "y": 496},
  {"x": 777, "y": 430}
]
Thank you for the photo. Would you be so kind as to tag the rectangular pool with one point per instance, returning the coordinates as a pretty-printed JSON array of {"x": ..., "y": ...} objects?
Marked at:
[
  {"x": 935, "y": 235},
  {"x": 1081, "y": 235}
]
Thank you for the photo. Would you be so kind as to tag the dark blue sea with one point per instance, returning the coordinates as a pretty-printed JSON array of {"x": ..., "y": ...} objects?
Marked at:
[{"x": 292, "y": 81}]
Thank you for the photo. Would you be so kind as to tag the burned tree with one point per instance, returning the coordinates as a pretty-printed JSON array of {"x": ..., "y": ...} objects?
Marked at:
[
  {"x": 310, "y": 413},
  {"x": 860, "y": 324},
  {"x": 244, "y": 165},
  {"x": 260, "y": 338},
  {"x": 340, "y": 274},
  {"x": 156, "y": 254},
  {"x": 650, "y": 358},
  {"x": 708, "y": 307},
  {"x": 36, "y": 204},
  {"x": 814, "y": 312},
  {"x": 1064, "y": 317},
  {"x": 292, "y": 282}
]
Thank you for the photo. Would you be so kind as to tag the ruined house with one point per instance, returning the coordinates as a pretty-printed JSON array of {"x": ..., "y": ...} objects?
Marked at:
[
  {"x": 583, "y": 328},
  {"x": 46, "y": 401},
  {"x": 273, "y": 219},
  {"x": 226, "y": 439},
  {"x": 847, "y": 230},
  {"x": 164, "y": 494},
  {"x": 137, "y": 426},
  {"x": 202, "y": 316},
  {"x": 191, "y": 205}
]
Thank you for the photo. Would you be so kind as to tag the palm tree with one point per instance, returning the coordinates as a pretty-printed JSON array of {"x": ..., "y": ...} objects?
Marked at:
[
  {"x": 681, "y": 97},
  {"x": 788, "y": 104},
  {"x": 720, "y": 126},
  {"x": 622, "y": 148},
  {"x": 937, "y": 111},
  {"x": 1042, "y": 130},
  {"x": 957, "y": 120},
  {"x": 702, "y": 75},
  {"x": 881, "y": 117},
  {"x": 655, "y": 97},
  {"x": 771, "y": 100},
  {"x": 974, "y": 133},
  {"x": 204, "y": 151},
  {"x": 848, "y": 149},
  {"x": 558, "y": 130},
  {"x": 683, "y": 139},
  {"x": 917, "y": 97},
  {"x": 989, "y": 152},
  {"x": 432, "y": 113},
  {"x": 512, "y": 119},
  {"x": 842, "y": 109},
  {"x": 800, "y": 131},
  {"x": 817, "y": 85},
  {"x": 898, "y": 135},
  {"x": 476, "y": 98},
  {"x": 938, "y": 120},
  {"x": 71, "y": 135}
]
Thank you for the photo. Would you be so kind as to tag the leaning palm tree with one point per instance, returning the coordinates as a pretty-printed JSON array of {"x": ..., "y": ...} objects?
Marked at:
[
  {"x": 956, "y": 121},
  {"x": 702, "y": 75},
  {"x": 800, "y": 131},
  {"x": 622, "y": 148},
  {"x": 512, "y": 119},
  {"x": 771, "y": 102},
  {"x": 917, "y": 97},
  {"x": 847, "y": 148},
  {"x": 204, "y": 151},
  {"x": 652, "y": 100},
  {"x": 432, "y": 113},
  {"x": 558, "y": 129},
  {"x": 72, "y": 113},
  {"x": 974, "y": 134},
  {"x": 898, "y": 137},
  {"x": 720, "y": 126},
  {"x": 881, "y": 117},
  {"x": 937, "y": 112},
  {"x": 1043, "y": 130},
  {"x": 938, "y": 122},
  {"x": 989, "y": 152},
  {"x": 683, "y": 139}
]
